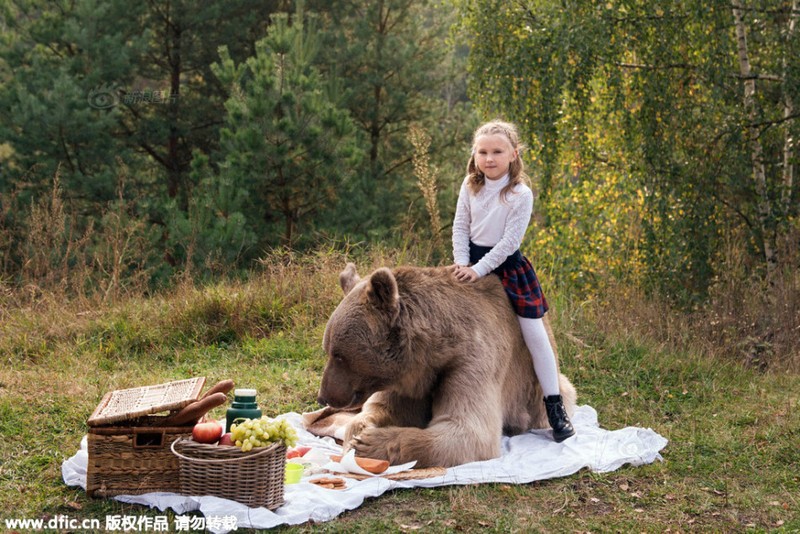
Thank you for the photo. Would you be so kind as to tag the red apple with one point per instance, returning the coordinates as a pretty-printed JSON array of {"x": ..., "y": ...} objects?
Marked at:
[
  {"x": 207, "y": 432},
  {"x": 226, "y": 439}
]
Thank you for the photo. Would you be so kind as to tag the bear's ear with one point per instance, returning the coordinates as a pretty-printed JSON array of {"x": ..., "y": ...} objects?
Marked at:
[
  {"x": 348, "y": 278},
  {"x": 382, "y": 293}
]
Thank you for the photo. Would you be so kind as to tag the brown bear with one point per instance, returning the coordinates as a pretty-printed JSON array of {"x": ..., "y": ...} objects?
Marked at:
[{"x": 438, "y": 367}]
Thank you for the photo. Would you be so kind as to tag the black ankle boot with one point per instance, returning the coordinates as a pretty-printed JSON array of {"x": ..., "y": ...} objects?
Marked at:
[{"x": 559, "y": 420}]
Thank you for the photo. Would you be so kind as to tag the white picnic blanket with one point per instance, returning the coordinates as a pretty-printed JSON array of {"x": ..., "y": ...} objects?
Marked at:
[{"x": 525, "y": 458}]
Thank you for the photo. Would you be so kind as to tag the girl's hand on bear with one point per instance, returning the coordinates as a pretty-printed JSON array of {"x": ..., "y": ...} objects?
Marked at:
[{"x": 465, "y": 274}]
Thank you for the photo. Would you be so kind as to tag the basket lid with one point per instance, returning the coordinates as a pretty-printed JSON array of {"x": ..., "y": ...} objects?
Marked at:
[{"x": 125, "y": 404}]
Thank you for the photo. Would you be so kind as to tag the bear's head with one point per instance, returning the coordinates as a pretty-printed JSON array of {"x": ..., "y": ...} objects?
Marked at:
[{"x": 361, "y": 340}]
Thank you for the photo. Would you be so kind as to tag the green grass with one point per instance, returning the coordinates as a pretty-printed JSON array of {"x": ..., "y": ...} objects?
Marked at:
[{"x": 731, "y": 463}]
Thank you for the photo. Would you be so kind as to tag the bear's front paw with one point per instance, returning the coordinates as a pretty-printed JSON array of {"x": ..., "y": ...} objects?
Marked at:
[
  {"x": 355, "y": 427},
  {"x": 400, "y": 445},
  {"x": 375, "y": 443}
]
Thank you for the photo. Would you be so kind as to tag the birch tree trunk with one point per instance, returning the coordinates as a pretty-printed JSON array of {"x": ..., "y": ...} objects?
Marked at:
[
  {"x": 788, "y": 110},
  {"x": 763, "y": 205}
]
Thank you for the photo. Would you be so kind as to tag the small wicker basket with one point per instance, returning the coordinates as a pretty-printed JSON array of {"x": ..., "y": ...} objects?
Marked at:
[
  {"x": 132, "y": 460},
  {"x": 128, "y": 445},
  {"x": 254, "y": 478}
]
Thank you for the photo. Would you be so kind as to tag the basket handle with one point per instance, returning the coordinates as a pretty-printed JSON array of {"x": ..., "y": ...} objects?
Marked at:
[{"x": 220, "y": 460}]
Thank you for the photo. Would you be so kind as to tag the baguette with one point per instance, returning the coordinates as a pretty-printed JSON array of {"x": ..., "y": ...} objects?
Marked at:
[
  {"x": 193, "y": 412},
  {"x": 223, "y": 386},
  {"x": 376, "y": 467}
]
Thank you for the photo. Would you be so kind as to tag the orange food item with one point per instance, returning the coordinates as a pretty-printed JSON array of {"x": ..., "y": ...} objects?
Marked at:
[
  {"x": 297, "y": 452},
  {"x": 372, "y": 465}
]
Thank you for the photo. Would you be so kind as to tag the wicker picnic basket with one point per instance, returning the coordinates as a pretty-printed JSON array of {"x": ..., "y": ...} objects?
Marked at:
[
  {"x": 128, "y": 444},
  {"x": 254, "y": 478}
]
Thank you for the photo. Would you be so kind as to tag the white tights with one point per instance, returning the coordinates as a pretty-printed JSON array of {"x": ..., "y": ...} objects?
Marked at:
[{"x": 544, "y": 360}]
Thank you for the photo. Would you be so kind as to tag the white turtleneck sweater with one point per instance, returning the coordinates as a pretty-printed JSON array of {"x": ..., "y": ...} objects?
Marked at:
[{"x": 489, "y": 221}]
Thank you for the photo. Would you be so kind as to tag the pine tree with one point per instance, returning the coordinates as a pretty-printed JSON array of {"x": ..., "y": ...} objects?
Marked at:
[
  {"x": 285, "y": 141},
  {"x": 96, "y": 81},
  {"x": 393, "y": 58}
]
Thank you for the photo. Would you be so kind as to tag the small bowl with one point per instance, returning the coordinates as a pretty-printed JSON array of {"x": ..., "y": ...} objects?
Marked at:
[{"x": 294, "y": 472}]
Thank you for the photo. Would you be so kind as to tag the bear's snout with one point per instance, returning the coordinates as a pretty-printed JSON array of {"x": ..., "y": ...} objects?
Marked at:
[{"x": 354, "y": 400}]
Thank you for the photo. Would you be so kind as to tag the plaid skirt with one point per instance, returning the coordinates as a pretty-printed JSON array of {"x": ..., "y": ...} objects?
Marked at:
[{"x": 519, "y": 280}]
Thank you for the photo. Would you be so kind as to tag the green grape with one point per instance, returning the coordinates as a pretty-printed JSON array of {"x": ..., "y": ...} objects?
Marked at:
[{"x": 262, "y": 433}]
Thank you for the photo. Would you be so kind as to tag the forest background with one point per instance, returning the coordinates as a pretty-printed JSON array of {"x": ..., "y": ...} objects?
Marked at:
[{"x": 142, "y": 143}]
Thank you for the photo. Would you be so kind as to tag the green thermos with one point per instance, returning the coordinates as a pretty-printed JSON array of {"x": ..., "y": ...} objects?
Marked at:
[{"x": 243, "y": 407}]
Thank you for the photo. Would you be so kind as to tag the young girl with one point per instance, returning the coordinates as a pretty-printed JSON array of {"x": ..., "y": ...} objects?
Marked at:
[{"x": 493, "y": 212}]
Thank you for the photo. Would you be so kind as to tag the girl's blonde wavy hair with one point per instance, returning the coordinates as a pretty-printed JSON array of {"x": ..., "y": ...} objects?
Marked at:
[{"x": 516, "y": 171}]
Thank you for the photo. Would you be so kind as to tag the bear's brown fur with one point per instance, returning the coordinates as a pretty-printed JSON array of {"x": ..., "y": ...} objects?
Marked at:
[{"x": 438, "y": 366}]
